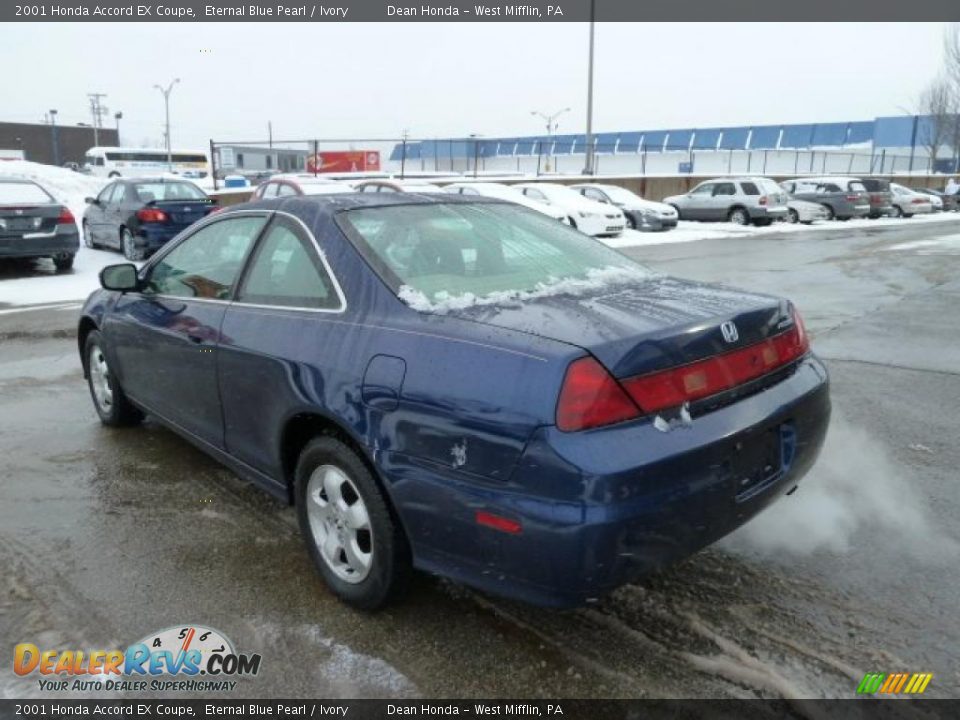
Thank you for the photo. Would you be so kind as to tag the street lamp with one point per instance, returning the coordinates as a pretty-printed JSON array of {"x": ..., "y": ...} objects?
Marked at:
[
  {"x": 551, "y": 126},
  {"x": 166, "y": 102},
  {"x": 588, "y": 167},
  {"x": 53, "y": 137}
]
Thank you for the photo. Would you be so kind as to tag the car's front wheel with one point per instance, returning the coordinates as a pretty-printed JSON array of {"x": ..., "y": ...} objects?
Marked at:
[
  {"x": 108, "y": 398},
  {"x": 354, "y": 540},
  {"x": 130, "y": 250},
  {"x": 793, "y": 216}
]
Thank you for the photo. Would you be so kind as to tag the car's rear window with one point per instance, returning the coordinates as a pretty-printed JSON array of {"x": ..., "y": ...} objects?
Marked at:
[
  {"x": 160, "y": 191},
  {"x": 856, "y": 187},
  {"x": 456, "y": 255},
  {"x": 750, "y": 188},
  {"x": 25, "y": 192}
]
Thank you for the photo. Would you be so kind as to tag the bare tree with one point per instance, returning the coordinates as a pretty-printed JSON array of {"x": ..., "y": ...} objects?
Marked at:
[{"x": 938, "y": 102}]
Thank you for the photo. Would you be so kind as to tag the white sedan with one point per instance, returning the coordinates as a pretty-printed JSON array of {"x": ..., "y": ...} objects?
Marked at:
[
  {"x": 588, "y": 216},
  {"x": 504, "y": 192},
  {"x": 802, "y": 211},
  {"x": 907, "y": 202},
  {"x": 640, "y": 214}
]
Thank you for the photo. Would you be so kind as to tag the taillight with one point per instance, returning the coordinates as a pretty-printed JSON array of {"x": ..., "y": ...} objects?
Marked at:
[
  {"x": 591, "y": 397},
  {"x": 65, "y": 217},
  {"x": 763, "y": 200},
  {"x": 673, "y": 387},
  {"x": 152, "y": 215},
  {"x": 919, "y": 201},
  {"x": 852, "y": 198}
]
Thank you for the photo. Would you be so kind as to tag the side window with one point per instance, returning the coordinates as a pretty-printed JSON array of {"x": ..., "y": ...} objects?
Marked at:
[
  {"x": 284, "y": 190},
  {"x": 831, "y": 187},
  {"x": 595, "y": 195},
  {"x": 468, "y": 191},
  {"x": 535, "y": 194},
  {"x": 207, "y": 263},
  {"x": 269, "y": 190},
  {"x": 368, "y": 188},
  {"x": 749, "y": 188},
  {"x": 286, "y": 272},
  {"x": 705, "y": 189},
  {"x": 104, "y": 197},
  {"x": 725, "y": 189}
]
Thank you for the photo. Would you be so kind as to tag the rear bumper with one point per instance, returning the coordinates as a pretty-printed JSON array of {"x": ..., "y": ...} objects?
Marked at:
[
  {"x": 153, "y": 237},
  {"x": 602, "y": 508},
  {"x": 773, "y": 213},
  {"x": 65, "y": 240}
]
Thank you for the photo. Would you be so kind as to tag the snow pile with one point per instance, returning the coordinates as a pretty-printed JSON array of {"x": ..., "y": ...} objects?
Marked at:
[
  {"x": 854, "y": 486},
  {"x": 67, "y": 186},
  {"x": 596, "y": 279}
]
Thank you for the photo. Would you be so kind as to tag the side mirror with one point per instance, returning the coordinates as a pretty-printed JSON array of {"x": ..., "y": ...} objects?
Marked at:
[{"x": 122, "y": 277}]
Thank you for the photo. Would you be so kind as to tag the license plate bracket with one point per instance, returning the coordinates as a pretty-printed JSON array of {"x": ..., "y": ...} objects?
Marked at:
[{"x": 761, "y": 460}]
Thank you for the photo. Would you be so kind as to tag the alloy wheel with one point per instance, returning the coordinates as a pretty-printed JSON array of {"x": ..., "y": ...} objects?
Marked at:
[
  {"x": 340, "y": 523},
  {"x": 100, "y": 379}
]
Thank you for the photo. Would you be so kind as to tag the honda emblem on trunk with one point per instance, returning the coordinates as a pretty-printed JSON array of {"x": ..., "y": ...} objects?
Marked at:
[{"x": 729, "y": 331}]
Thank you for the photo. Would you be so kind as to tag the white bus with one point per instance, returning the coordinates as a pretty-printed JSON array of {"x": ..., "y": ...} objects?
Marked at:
[{"x": 119, "y": 161}]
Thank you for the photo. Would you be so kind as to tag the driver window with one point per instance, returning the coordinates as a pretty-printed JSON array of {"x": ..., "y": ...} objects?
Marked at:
[
  {"x": 725, "y": 189},
  {"x": 207, "y": 263},
  {"x": 705, "y": 189}
]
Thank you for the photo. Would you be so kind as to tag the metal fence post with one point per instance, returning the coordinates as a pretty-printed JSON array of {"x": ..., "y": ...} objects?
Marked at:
[
  {"x": 765, "y": 161},
  {"x": 403, "y": 157},
  {"x": 213, "y": 163},
  {"x": 316, "y": 156}
]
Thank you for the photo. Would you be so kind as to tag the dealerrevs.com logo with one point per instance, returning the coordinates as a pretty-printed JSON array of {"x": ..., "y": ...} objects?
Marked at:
[{"x": 179, "y": 658}]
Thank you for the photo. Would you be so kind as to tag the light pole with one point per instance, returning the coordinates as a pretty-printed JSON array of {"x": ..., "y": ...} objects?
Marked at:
[
  {"x": 551, "y": 126},
  {"x": 166, "y": 102},
  {"x": 588, "y": 167},
  {"x": 118, "y": 116},
  {"x": 53, "y": 137}
]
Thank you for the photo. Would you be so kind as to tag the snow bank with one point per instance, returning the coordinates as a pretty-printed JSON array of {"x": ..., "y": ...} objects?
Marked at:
[
  {"x": 596, "y": 279},
  {"x": 66, "y": 186}
]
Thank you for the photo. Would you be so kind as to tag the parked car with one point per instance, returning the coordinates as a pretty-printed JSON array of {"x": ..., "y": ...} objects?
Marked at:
[
  {"x": 843, "y": 197},
  {"x": 504, "y": 192},
  {"x": 640, "y": 214},
  {"x": 407, "y": 185},
  {"x": 35, "y": 225},
  {"x": 907, "y": 202},
  {"x": 463, "y": 386},
  {"x": 951, "y": 203},
  {"x": 138, "y": 216},
  {"x": 300, "y": 184},
  {"x": 880, "y": 196},
  {"x": 586, "y": 215},
  {"x": 801, "y": 211},
  {"x": 740, "y": 200}
]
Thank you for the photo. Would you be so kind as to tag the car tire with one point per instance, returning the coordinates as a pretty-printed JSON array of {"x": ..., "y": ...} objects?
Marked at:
[
  {"x": 738, "y": 216},
  {"x": 130, "y": 251},
  {"x": 87, "y": 237},
  {"x": 109, "y": 400},
  {"x": 380, "y": 566},
  {"x": 831, "y": 215},
  {"x": 630, "y": 221},
  {"x": 679, "y": 217},
  {"x": 793, "y": 217},
  {"x": 63, "y": 262},
  {"x": 898, "y": 211}
]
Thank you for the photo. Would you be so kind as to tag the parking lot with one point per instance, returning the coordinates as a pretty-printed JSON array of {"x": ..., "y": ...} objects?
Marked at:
[{"x": 106, "y": 535}]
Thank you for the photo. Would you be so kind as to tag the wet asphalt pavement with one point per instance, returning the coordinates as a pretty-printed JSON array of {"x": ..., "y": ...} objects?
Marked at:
[{"x": 107, "y": 535}]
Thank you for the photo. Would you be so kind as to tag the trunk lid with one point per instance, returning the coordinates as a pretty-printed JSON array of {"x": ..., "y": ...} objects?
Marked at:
[
  {"x": 25, "y": 219},
  {"x": 183, "y": 212},
  {"x": 646, "y": 326}
]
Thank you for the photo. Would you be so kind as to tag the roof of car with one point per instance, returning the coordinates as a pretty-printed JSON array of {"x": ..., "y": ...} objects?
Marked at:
[
  {"x": 15, "y": 179},
  {"x": 154, "y": 179},
  {"x": 330, "y": 204}
]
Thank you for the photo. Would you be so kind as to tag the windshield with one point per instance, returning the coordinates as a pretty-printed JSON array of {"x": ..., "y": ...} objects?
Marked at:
[
  {"x": 160, "y": 191},
  {"x": 25, "y": 192},
  {"x": 619, "y": 194},
  {"x": 446, "y": 256}
]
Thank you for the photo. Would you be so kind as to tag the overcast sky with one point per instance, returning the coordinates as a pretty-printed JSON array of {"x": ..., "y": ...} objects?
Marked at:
[{"x": 433, "y": 79}]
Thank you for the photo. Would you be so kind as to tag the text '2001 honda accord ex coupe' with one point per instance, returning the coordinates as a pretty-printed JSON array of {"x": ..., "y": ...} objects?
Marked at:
[{"x": 463, "y": 386}]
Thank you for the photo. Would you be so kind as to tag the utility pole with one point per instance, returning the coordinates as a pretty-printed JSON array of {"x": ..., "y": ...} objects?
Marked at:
[
  {"x": 403, "y": 155},
  {"x": 166, "y": 103},
  {"x": 551, "y": 127},
  {"x": 97, "y": 111},
  {"x": 270, "y": 133},
  {"x": 588, "y": 168},
  {"x": 118, "y": 116},
  {"x": 54, "y": 141}
]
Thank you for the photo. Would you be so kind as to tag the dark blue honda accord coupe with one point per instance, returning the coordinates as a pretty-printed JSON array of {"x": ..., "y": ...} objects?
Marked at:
[{"x": 461, "y": 386}]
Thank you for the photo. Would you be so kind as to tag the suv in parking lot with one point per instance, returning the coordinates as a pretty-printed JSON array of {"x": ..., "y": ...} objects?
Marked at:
[
  {"x": 740, "y": 200},
  {"x": 843, "y": 197}
]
